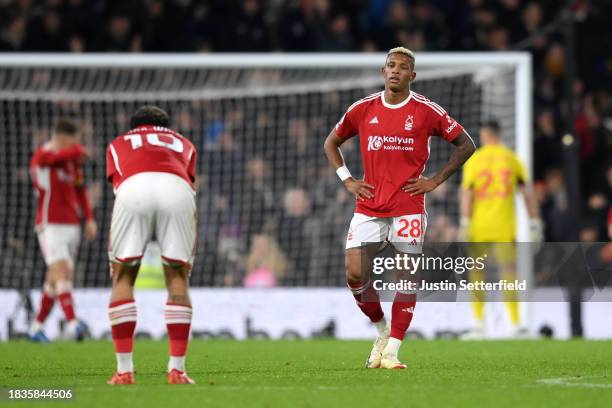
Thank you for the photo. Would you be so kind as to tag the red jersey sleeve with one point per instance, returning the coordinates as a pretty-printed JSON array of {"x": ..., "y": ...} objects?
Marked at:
[
  {"x": 84, "y": 203},
  {"x": 191, "y": 170},
  {"x": 442, "y": 124},
  {"x": 49, "y": 158},
  {"x": 81, "y": 191},
  {"x": 111, "y": 169},
  {"x": 79, "y": 174},
  {"x": 348, "y": 126}
]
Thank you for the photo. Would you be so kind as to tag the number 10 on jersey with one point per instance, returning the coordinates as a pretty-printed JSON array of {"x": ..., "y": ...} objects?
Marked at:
[{"x": 164, "y": 140}]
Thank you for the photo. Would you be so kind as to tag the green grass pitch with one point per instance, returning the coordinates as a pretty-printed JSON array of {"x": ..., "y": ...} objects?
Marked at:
[{"x": 321, "y": 373}]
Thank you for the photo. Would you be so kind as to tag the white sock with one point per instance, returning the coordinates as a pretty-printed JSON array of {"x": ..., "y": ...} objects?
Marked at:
[
  {"x": 393, "y": 346},
  {"x": 124, "y": 363},
  {"x": 381, "y": 326},
  {"x": 72, "y": 325},
  {"x": 36, "y": 326},
  {"x": 176, "y": 363}
]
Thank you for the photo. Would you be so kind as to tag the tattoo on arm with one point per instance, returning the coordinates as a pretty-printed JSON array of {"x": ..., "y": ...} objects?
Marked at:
[{"x": 465, "y": 148}]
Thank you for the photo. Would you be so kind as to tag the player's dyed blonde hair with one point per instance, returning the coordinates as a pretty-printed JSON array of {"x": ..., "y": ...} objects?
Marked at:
[{"x": 405, "y": 51}]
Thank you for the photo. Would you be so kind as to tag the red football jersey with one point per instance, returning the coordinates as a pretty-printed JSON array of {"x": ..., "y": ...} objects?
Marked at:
[
  {"x": 150, "y": 149},
  {"x": 395, "y": 147},
  {"x": 59, "y": 184}
]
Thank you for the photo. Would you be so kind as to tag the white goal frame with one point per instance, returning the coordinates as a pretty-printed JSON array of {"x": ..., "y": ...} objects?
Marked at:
[
  {"x": 443, "y": 61},
  {"x": 521, "y": 61}
]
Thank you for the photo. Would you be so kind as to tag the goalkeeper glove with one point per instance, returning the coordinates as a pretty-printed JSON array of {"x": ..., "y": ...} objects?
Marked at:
[
  {"x": 464, "y": 228},
  {"x": 536, "y": 230}
]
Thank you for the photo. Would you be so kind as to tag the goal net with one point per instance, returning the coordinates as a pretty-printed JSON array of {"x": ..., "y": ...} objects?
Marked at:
[{"x": 271, "y": 209}]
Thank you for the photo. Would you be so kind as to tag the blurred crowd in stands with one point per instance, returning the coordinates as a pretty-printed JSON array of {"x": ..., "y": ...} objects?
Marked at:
[{"x": 353, "y": 26}]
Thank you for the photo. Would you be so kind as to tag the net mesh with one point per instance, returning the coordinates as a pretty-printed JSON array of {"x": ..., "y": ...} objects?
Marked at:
[{"x": 268, "y": 201}]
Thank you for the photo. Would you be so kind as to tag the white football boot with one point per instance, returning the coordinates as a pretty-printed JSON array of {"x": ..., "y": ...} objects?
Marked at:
[
  {"x": 390, "y": 362},
  {"x": 379, "y": 345}
]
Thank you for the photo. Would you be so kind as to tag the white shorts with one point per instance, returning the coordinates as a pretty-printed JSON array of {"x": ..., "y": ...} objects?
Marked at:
[
  {"x": 406, "y": 233},
  {"x": 153, "y": 207},
  {"x": 59, "y": 242}
]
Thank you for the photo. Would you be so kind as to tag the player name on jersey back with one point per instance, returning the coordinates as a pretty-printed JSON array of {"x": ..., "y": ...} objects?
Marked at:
[{"x": 150, "y": 149}]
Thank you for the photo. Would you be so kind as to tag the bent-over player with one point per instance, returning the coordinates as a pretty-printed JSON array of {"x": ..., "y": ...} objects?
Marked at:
[{"x": 152, "y": 169}]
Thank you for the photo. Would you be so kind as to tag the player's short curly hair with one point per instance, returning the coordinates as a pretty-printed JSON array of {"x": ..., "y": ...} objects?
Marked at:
[
  {"x": 65, "y": 126},
  {"x": 405, "y": 51},
  {"x": 149, "y": 115}
]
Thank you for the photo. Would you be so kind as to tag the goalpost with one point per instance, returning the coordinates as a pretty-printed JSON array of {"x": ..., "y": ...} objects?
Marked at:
[{"x": 259, "y": 122}]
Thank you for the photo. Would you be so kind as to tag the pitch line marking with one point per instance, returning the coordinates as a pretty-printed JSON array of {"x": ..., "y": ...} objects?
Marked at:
[{"x": 566, "y": 382}]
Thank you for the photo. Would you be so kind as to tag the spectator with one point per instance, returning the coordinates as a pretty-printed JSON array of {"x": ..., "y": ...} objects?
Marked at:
[
  {"x": 257, "y": 199},
  {"x": 266, "y": 264},
  {"x": 120, "y": 37},
  {"x": 47, "y": 34},
  {"x": 246, "y": 31},
  {"x": 547, "y": 148},
  {"x": 499, "y": 39},
  {"x": 302, "y": 26},
  {"x": 293, "y": 228},
  {"x": 555, "y": 207},
  {"x": 13, "y": 35},
  {"x": 339, "y": 36},
  {"x": 531, "y": 18}
]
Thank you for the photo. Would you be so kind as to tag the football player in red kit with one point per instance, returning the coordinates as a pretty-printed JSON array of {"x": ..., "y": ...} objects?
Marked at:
[
  {"x": 394, "y": 127},
  {"x": 152, "y": 170},
  {"x": 57, "y": 175}
]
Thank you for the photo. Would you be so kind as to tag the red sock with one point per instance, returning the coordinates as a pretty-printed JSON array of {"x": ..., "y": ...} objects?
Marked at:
[
  {"x": 367, "y": 300},
  {"x": 46, "y": 304},
  {"x": 401, "y": 314},
  {"x": 65, "y": 300},
  {"x": 178, "y": 322},
  {"x": 122, "y": 314}
]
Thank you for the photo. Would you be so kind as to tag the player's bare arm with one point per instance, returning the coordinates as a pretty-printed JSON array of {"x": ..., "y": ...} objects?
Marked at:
[
  {"x": 359, "y": 188},
  {"x": 91, "y": 228},
  {"x": 464, "y": 149}
]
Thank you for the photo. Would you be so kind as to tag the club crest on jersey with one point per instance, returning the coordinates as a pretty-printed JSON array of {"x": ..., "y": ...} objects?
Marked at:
[{"x": 409, "y": 122}]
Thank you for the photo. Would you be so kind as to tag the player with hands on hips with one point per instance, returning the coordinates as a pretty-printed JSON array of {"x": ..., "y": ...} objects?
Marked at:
[{"x": 394, "y": 127}]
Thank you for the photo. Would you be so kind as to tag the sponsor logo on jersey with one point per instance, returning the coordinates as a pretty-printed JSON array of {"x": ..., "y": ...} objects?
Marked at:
[
  {"x": 65, "y": 177},
  {"x": 408, "y": 309},
  {"x": 390, "y": 143},
  {"x": 451, "y": 127},
  {"x": 409, "y": 122},
  {"x": 374, "y": 142},
  {"x": 374, "y": 120}
]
